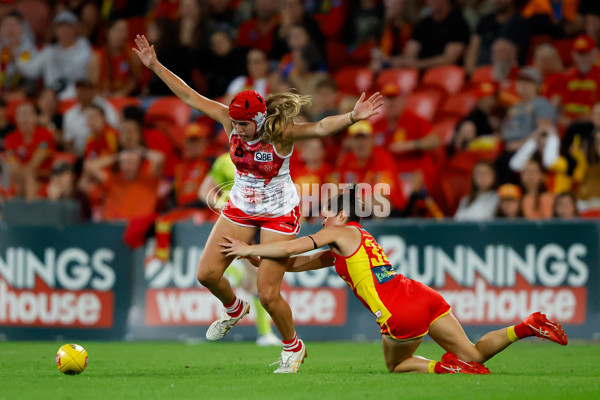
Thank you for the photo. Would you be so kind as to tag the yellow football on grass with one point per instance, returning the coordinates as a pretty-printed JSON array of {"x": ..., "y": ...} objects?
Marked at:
[{"x": 71, "y": 359}]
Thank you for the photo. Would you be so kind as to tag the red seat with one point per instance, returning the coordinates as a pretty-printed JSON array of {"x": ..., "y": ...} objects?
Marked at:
[
  {"x": 406, "y": 78},
  {"x": 169, "y": 110},
  {"x": 120, "y": 102},
  {"x": 354, "y": 80},
  {"x": 455, "y": 179},
  {"x": 423, "y": 103},
  {"x": 457, "y": 106},
  {"x": 445, "y": 128},
  {"x": 482, "y": 74},
  {"x": 450, "y": 78}
]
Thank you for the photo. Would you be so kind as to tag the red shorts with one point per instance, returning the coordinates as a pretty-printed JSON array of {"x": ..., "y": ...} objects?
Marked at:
[
  {"x": 288, "y": 224},
  {"x": 413, "y": 305}
]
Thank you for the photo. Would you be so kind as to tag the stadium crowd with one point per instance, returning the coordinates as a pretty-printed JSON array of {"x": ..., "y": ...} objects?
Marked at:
[{"x": 491, "y": 107}]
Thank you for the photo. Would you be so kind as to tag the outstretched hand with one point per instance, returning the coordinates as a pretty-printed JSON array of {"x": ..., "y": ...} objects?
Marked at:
[
  {"x": 364, "y": 109},
  {"x": 145, "y": 52},
  {"x": 234, "y": 247}
]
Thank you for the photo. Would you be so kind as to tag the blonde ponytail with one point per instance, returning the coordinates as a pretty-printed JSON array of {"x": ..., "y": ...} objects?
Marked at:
[{"x": 281, "y": 109}]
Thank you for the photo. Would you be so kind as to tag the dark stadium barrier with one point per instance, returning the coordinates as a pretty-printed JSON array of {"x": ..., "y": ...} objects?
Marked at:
[
  {"x": 492, "y": 274},
  {"x": 72, "y": 282}
]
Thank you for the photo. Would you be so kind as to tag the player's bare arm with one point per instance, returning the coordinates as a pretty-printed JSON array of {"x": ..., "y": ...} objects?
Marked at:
[
  {"x": 364, "y": 109},
  {"x": 309, "y": 262},
  {"x": 215, "y": 110},
  {"x": 340, "y": 237},
  {"x": 317, "y": 260}
]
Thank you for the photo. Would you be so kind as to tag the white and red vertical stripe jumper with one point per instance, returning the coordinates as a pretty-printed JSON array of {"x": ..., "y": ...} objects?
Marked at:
[{"x": 263, "y": 185}]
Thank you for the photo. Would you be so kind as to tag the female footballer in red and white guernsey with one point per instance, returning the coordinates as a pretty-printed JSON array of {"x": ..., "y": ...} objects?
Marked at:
[
  {"x": 406, "y": 310},
  {"x": 261, "y": 137}
]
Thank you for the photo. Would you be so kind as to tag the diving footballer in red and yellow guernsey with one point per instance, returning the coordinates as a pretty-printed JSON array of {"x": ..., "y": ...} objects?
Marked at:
[{"x": 405, "y": 310}]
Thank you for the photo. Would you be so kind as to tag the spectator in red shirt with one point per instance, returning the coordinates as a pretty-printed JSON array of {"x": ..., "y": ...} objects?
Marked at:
[
  {"x": 257, "y": 33},
  {"x": 330, "y": 15},
  {"x": 190, "y": 172},
  {"x": 369, "y": 164},
  {"x": 133, "y": 133},
  {"x": 548, "y": 63},
  {"x": 103, "y": 139},
  {"x": 310, "y": 175},
  {"x": 28, "y": 151},
  {"x": 130, "y": 180},
  {"x": 581, "y": 86},
  {"x": 114, "y": 69},
  {"x": 406, "y": 135}
]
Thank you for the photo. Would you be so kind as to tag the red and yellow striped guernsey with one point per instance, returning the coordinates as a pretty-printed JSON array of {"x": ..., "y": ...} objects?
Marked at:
[{"x": 364, "y": 271}]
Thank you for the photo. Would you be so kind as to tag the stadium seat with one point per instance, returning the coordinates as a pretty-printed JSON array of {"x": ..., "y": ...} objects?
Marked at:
[
  {"x": 445, "y": 128},
  {"x": 457, "y": 106},
  {"x": 455, "y": 179},
  {"x": 120, "y": 102},
  {"x": 168, "y": 110},
  {"x": 450, "y": 78},
  {"x": 406, "y": 78},
  {"x": 354, "y": 80},
  {"x": 482, "y": 74},
  {"x": 424, "y": 103}
]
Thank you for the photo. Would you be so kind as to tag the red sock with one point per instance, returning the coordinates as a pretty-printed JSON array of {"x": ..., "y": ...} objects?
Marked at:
[
  {"x": 292, "y": 345},
  {"x": 235, "y": 308},
  {"x": 523, "y": 331}
]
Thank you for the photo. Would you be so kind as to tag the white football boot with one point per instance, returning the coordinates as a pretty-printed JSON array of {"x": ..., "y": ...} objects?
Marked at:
[
  {"x": 289, "y": 362},
  {"x": 224, "y": 323}
]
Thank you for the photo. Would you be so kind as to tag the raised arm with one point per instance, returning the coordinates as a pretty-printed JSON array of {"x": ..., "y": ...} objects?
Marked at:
[
  {"x": 189, "y": 96},
  {"x": 331, "y": 125}
]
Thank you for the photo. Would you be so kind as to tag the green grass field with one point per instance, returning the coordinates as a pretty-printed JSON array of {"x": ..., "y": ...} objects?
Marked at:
[{"x": 334, "y": 370}]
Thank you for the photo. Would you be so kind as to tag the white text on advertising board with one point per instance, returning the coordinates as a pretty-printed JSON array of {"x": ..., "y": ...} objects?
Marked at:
[
  {"x": 499, "y": 285},
  {"x": 62, "y": 288},
  {"x": 174, "y": 296}
]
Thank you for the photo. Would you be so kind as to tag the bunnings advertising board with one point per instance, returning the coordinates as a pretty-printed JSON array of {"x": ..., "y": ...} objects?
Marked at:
[
  {"x": 70, "y": 282},
  {"x": 76, "y": 282},
  {"x": 492, "y": 275},
  {"x": 496, "y": 274}
]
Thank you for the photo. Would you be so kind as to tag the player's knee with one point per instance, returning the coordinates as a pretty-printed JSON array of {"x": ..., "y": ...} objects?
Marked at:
[
  {"x": 207, "y": 277},
  {"x": 268, "y": 297}
]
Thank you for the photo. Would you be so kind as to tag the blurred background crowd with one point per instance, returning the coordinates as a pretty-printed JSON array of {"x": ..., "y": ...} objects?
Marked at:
[{"x": 491, "y": 107}]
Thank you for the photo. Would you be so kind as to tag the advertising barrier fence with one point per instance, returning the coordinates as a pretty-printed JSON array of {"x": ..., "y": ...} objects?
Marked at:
[
  {"x": 73, "y": 282},
  {"x": 82, "y": 282}
]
